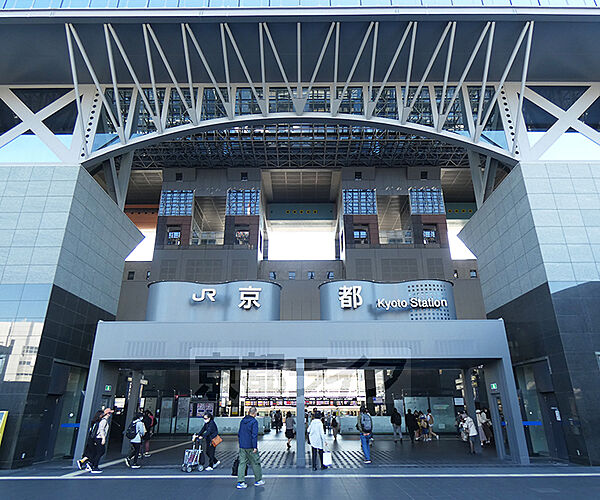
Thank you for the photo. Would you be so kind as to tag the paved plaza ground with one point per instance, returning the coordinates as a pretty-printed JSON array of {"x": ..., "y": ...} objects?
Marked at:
[{"x": 437, "y": 469}]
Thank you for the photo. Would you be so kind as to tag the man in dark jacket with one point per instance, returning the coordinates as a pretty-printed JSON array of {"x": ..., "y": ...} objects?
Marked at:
[
  {"x": 396, "y": 420},
  {"x": 248, "y": 441},
  {"x": 411, "y": 425}
]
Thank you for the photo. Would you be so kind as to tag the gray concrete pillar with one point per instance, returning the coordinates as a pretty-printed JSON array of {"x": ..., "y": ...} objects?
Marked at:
[
  {"x": 133, "y": 406},
  {"x": 370, "y": 390},
  {"x": 234, "y": 390},
  {"x": 101, "y": 376},
  {"x": 495, "y": 417},
  {"x": 500, "y": 382},
  {"x": 300, "y": 424}
]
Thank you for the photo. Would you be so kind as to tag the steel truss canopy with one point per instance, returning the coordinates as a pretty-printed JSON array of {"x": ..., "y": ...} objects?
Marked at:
[
  {"x": 327, "y": 87},
  {"x": 211, "y": 75}
]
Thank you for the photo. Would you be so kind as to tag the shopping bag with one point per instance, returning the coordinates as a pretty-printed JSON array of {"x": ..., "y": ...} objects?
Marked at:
[
  {"x": 216, "y": 441},
  {"x": 327, "y": 460}
]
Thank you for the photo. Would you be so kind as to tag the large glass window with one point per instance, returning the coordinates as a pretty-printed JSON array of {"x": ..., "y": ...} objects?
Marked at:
[
  {"x": 243, "y": 202},
  {"x": 176, "y": 202},
  {"x": 360, "y": 202},
  {"x": 426, "y": 201}
]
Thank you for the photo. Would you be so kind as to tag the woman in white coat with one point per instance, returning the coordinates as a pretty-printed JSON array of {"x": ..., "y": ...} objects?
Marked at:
[{"x": 316, "y": 437}]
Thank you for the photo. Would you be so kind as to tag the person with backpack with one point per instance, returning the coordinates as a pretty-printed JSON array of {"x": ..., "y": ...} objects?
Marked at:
[
  {"x": 96, "y": 446},
  {"x": 248, "y": 442},
  {"x": 396, "y": 421},
  {"x": 134, "y": 433},
  {"x": 364, "y": 425},
  {"x": 90, "y": 443},
  {"x": 335, "y": 427}
]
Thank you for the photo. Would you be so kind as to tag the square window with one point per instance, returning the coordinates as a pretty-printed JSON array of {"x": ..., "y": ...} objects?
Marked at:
[
  {"x": 361, "y": 235},
  {"x": 244, "y": 176},
  {"x": 456, "y": 273},
  {"x": 147, "y": 275},
  {"x": 174, "y": 235},
  {"x": 311, "y": 275},
  {"x": 473, "y": 273},
  {"x": 429, "y": 235},
  {"x": 358, "y": 176},
  {"x": 424, "y": 174},
  {"x": 272, "y": 275},
  {"x": 178, "y": 176},
  {"x": 242, "y": 236},
  {"x": 130, "y": 275},
  {"x": 292, "y": 275},
  {"x": 330, "y": 275}
]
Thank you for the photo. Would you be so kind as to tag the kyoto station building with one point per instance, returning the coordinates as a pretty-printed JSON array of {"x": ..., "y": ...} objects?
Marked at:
[{"x": 212, "y": 205}]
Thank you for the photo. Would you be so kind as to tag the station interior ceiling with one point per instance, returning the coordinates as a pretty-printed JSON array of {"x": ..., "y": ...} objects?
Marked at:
[{"x": 298, "y": 161}]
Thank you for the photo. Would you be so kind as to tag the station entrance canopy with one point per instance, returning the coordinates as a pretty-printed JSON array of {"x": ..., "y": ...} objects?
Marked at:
[{"x": 232, "y": 324}]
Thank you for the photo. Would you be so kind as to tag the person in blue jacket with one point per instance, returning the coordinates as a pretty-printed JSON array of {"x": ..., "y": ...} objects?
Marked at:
[
  {"x": 248, "y": 441},
  {"x": 210, "y": 431}
]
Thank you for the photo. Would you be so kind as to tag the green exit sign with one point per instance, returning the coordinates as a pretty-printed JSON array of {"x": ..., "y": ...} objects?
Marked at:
[
  {"x": 494, "y": 387},
  {"x": 107, "y": 388}
]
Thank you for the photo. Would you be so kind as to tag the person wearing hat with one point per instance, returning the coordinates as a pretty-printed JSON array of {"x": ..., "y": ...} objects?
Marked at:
[{"x": 99, "y": 441}]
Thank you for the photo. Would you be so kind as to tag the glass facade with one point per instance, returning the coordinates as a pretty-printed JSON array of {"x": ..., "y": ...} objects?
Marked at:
[
  {"x": 176, "y": 202},
  {"x": 359, "y": 202},
  {"x": 426, "y": 201},
  {"x": 243, "y": 202}
]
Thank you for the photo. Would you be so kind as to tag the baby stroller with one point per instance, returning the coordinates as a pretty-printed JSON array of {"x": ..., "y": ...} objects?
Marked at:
[{"x": 193, "y": 458}]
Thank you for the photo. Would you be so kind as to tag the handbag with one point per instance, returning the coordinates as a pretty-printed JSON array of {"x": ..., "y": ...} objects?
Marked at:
[
  {"x": 327, "y": 459},
  {"x": 216, "y": 441}
]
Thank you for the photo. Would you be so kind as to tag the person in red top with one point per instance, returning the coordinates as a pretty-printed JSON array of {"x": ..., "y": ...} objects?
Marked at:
[{"x": 149, "y": 423}]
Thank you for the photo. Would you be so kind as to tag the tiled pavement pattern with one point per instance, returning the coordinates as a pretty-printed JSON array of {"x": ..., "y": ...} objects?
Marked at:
[{"x": 346, "y": 453}]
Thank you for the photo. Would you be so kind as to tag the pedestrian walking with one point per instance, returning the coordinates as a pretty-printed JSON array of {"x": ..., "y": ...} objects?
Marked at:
[
  {"x": 335, "y": 427},
  {"x": 430, "y": 422},
  {"x": 479, "y": 417},
  {"x": 364, "y": 425},
  {"x": 278, "y": 420},
  {"x": 469, "y": 427},
  {"x": 95, "y": 446},
  {"x": 423, "y": 427},
  {"x": 396, "y": 421},
  {"x": 248, "y": 454},
  {"x": 209, "y": 432},
  {"x": 486, "y": 424},
  {"x": 411, "y": 425},
  {"x": 290, "y": 425},
  {"x": 149, "y": 423},
  {"x": 135, "y": 432},
  {"x": 316, "y": 438}
]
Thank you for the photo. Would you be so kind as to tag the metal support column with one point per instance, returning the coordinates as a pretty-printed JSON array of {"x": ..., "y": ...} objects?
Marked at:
[
  {"x": 234, "y": 390},
  {"x": 370, "y": 390},
  {"x": 133, "y": 406},
  {"x": 300, "y": 423}
]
